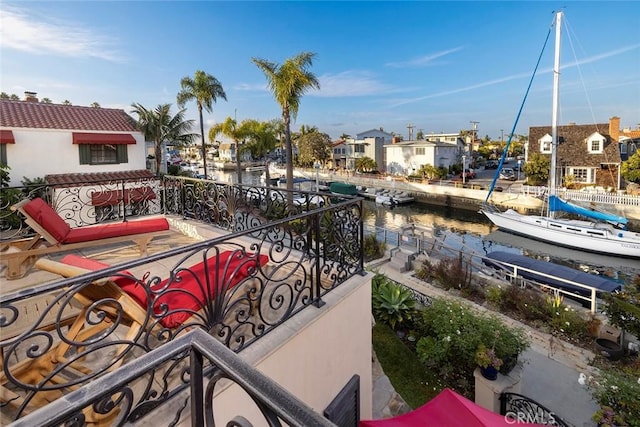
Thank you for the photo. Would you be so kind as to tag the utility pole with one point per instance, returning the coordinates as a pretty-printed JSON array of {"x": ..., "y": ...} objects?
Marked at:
[
  {"x": 501, "y": 135},
  {"x": 473, "y": 133},
  {"x": 410, "y": 127}
]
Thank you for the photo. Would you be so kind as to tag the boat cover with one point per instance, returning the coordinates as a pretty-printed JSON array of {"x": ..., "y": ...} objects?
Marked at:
[
  {"x": 343, "y": 188},
  {"x": 603, "y": 284},
  {"x": 556, "y": 204}
]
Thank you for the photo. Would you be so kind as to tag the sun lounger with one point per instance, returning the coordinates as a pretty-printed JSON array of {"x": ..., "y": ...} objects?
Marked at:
[
  {"x": 124, "y": 300},
  {"x": 53, "y": 235}
]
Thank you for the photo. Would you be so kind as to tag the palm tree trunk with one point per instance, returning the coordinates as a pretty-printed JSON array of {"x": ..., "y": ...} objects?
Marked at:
[
  {"x": 158, "y": 153},
  {"x": 204, "y": 147},
  {"x": 289, "y": 151}
]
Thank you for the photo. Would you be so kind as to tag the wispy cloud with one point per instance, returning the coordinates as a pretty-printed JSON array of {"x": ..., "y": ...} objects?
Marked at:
[
  {"x": 260, "y": 87},
  {"x": 423, "y": 61},
  {"x": 28, "y": 32},
  {"x": 577, "y": 63},
  {"x": 344, "y": 84},
  {"x": 350, "y": 83}
]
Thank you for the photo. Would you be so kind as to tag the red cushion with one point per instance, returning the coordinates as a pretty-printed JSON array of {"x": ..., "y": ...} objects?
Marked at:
[
  {"x": 104, "y": 231},
  {"x": 48, "y": 219},
  {"x": 185, "y": 294}
]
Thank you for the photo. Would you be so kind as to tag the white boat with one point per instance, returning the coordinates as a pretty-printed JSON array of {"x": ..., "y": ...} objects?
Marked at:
[
  {"x": 599, "y": 232},
  {"x": 383, "y": 199},
  {"x": 387, "y": 197}
]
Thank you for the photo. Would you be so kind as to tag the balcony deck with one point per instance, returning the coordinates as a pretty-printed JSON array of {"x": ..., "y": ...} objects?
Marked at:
[{"x": 296, "y": 276}]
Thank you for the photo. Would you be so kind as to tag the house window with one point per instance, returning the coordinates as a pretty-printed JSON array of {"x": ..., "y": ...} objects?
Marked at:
[
  {"x": 3, "y": 154},
  {"x": 102, "y": 154},
  {"x": 581, "y": 174},
  {"x": 595, "y": 143},
  {"x": 545, "y": 143},
  {"x": 420, "y": 151},
  {"x": 623, "y": 148},
  {"x": 358, "y": 149}
]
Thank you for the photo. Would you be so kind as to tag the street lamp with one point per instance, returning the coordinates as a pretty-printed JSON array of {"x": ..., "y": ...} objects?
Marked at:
[
  {"x": 464, "y": 170},
  {"x": 316, "y": 166}
]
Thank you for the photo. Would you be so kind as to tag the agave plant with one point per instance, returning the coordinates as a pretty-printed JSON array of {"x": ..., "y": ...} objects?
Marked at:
[{"x": 393, "y": 304}]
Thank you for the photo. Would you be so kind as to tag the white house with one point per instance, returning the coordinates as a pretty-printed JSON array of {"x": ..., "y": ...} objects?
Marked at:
[
  {"x": 40, "y": 139},
  {"x": 366, "y": 144},
  {"x": 406, "y": 158}
]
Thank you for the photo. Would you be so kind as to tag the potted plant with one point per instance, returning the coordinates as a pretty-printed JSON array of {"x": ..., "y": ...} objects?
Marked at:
[
  {"x": 607, "y": 417},
  {"x": 488, "y": 362}
]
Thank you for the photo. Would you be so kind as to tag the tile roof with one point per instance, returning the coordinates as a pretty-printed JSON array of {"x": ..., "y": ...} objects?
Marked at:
[
  {"x": 78, "y": 178},
  {"x": 24, "y": 114}
]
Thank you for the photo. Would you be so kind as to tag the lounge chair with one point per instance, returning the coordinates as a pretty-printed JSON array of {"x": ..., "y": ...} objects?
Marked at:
[
  {"x": 59, "y": 236},
  {"x": 124, "y": 301}
]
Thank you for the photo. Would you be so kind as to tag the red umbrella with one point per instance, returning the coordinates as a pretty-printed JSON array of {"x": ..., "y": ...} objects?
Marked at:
[{"x": 447, "y": 409}]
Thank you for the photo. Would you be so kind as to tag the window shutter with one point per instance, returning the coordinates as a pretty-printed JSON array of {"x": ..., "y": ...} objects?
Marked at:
[
  {"x": 85, "y": 154},
  {"x": 121, "y": 153},
  {"x": 3, "y": 154}
]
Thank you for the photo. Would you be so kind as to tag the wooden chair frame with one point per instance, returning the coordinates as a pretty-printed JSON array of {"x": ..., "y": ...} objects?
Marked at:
[{"x": 20, "y": 255}]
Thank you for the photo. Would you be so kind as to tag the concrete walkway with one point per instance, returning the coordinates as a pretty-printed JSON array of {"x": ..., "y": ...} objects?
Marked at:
[{"x": 550, "y": 373}]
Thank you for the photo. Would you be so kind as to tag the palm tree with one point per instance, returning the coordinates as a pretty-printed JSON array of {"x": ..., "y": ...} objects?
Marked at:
[
  {"x": 205, "y": 89},
  {"x": 231, "y": 129},
  {"x": 160, "y": 126},
  {"x": 288, "y": 82}
]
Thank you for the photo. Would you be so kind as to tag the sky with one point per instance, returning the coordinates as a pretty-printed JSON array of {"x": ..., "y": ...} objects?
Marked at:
[{"x": 434, "y": 66}]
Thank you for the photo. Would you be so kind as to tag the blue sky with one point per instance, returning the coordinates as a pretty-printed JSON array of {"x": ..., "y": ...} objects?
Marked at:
[{"x": 435, "y": 65}]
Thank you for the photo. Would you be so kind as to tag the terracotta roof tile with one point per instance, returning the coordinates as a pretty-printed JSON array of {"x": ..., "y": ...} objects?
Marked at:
[
  {"x": 23, "y": 114},
  {"x": 78, "y": 178}
]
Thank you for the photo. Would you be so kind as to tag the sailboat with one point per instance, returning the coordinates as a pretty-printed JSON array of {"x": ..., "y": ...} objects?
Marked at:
[{"x": 598, "y": 232}]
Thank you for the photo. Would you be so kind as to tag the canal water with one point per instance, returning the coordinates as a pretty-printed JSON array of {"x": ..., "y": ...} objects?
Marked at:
[{"x": 473, "y": 232}]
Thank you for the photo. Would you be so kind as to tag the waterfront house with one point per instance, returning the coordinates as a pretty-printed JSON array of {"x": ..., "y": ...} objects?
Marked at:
[
  {"x": 589, "y": 153},
  {"x": 406, "y": 158},
  {"x": 38, "y": 139},
  {"x": 628, "y": 139},
  {"x": 339, "y": 154}
]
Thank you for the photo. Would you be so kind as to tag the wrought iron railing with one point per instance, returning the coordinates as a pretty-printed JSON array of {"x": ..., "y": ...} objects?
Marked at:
[
  {"x": 200, "y": 357},
  {"x": 83, "y": 202},
  {"x": 521, "y": 409},
  {"x": 279, "y": 254}
]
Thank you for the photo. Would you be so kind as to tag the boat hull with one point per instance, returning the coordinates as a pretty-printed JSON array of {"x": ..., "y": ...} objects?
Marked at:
[{"x": 581, "y": 235}]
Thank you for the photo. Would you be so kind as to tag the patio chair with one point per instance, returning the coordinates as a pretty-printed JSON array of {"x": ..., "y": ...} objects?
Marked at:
[
  {"x": 123, "y": 300},
  {"x": 53, "y": 235}
]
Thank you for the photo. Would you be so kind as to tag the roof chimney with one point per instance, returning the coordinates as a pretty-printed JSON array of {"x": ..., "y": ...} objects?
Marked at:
[
  {"x": 30, "y": 96},
  {"x": 614, "y": 128}
]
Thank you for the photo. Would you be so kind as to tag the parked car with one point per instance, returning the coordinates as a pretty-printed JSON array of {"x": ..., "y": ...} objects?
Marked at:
[
  {"x": 468, "y": 174},
  {"x": 491, "y": 164},
  {"x": 508, "y": 174}
]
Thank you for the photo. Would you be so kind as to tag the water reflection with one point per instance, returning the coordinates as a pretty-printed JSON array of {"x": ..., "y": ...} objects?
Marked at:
[{"x": 472, "y": 231}]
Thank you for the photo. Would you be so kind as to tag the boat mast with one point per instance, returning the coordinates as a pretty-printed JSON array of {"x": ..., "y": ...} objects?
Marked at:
[{"x": 554, "y": 110}]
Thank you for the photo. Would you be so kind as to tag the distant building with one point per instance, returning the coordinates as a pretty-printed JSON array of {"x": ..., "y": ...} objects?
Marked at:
[
  {"x": 406, "y": 158},
  {"x": 589, "y": 153},
  {"x": 38, "y": 139}
]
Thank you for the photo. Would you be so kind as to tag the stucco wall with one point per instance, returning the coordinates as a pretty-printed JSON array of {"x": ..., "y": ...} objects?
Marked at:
[
  {"x": 313, "y": 355},
  {"x": 40, "y": 152}
]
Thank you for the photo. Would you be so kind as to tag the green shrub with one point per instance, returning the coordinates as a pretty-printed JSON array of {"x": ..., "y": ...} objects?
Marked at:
[
  {"x": 623, "y": 308},
  {"x": 528, "y": 304},
  {"x": 392, "y": 303},
  {"x": 494, "y": 295},
  {"x": 618, "y": 389},
  {"x": 450, "y": 335}
]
